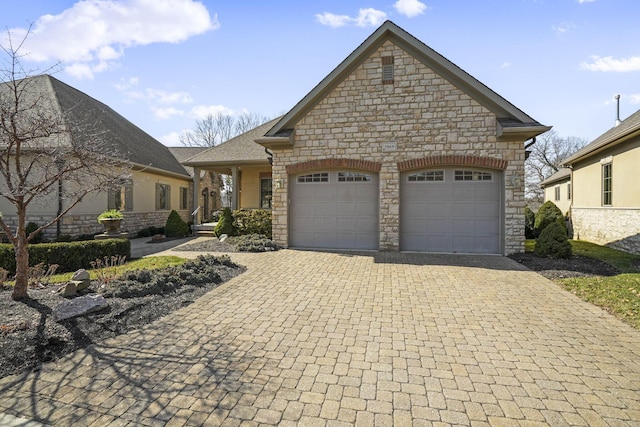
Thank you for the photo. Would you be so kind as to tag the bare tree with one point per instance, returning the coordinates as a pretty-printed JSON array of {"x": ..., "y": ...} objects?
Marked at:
[
  {"x": 545, "y": 158},
  {"x": 44, "y": 157},
  {"x": 218, "y": 128}
]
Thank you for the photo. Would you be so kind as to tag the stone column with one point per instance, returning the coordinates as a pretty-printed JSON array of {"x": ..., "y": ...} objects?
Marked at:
[
  {"x": 196, "y": 193},
  {"x": 235, "y": 186}
]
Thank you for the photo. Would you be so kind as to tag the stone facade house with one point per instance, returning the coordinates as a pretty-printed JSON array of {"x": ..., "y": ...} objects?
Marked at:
[
  {"x": 557, "y": 188},
  {"x": 606, "y": 200},
  {"x": 158, "y": 183},
  {"x": 400, "y": 149}
]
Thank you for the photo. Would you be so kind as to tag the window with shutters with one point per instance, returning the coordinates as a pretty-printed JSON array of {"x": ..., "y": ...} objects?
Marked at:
[
  {"x": 163, "y": 197},
  {"x": 121, "y": 198}
]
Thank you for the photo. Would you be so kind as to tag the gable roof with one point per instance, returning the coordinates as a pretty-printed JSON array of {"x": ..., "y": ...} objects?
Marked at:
[
  {"x": 183, "y": 153},
  {"x": 511, "y": 120},
  {"x": 122, "y": 136},
  {"x": 627, "y": 129},
  {"x": 241, "y": 149},
  {"x": 561, "y": 175}
]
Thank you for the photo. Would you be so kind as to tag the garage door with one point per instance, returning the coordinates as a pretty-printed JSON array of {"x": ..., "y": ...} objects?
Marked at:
[
  {"x": 334, "y": 210},
  {"x": 451, "y": 210}
]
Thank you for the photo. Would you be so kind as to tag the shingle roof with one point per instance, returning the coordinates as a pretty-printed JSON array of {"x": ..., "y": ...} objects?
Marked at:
[
  {"x": 241, "y": 149},
  {"x": 184, "y": 153},
  {"x": 123, "y": 136},
  {"x": 562, "y": 174},
  {"x": 611, "y": 137},
  {"x": 514, "y": 118}
]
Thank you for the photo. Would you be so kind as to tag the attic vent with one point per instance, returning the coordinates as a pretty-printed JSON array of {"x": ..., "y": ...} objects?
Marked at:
[{"x": 387, "y": 69}]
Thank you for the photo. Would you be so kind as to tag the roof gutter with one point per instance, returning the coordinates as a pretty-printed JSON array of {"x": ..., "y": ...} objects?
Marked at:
[{"x": 612, "y": 141}]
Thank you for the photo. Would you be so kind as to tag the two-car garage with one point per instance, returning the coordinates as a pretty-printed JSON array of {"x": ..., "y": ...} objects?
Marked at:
[{"x": 450, "y": 210}]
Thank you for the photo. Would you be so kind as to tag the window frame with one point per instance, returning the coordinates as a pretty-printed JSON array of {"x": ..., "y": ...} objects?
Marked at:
[
  {"x": 607, "y": 184},
  {"x": 184, "y": 198},
  {"x": 354, "y": 177},
  {"x": 125, "y": 191},
  {"x": 556, "y": 190},
  {"x": 427, "y": 176},
  {"x": 167, "y": 197},
  {"x": 266, "y": 192},
  {"x": 475, "y": 175},
  {"x": 313, "y": 178}
]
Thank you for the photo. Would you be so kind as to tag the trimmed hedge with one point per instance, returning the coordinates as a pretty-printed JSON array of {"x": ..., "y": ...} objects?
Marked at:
[
  {"x": 529, "y": 223},
  {"x": 225, "y": 224},
  {"x": 70, "y": 256},
  {"x": 175, "y": 226},
  {"x": 252, "y": 221}
]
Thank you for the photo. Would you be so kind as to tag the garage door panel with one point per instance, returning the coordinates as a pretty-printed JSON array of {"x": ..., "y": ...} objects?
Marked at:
[
  {"x": 452, "y": 215},
  {"x": 334, "y": 214}
]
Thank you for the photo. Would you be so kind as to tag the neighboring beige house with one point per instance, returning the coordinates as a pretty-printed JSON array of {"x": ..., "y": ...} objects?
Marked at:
[
  {"x": 557, "y": 188},
  {"x": 210, "y": 194},
  {"x": 158, "y": 182},
  {"x": 396, "y": 149},
  {"x": 606, "y": 196}
]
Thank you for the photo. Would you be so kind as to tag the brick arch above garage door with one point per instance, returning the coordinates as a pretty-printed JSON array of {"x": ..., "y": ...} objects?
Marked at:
[
  {"x": 453, "y": 160},
  {"x": 334, "y": 163}
]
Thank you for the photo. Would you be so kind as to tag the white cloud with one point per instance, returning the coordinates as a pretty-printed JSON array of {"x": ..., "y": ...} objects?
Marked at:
[
  {"x": 505, "y": 64},
  {"x": 366, "y": 18},
  {"x": 410, "y": 8},
  {"x": 564, "y": 27},
  {"x": 611, "y": 64},
  {"x": 126, "y": 84},
  {"x": 200, "y": 112},
  {"x": 333, "y": 20},
  {"x": 172, "y": 139},
  {"x": 370, "y": 17},
  {"x": 166, "y": 113},
  {"x": 92, "y": 34},
  {"x": 586, "y": 1}
]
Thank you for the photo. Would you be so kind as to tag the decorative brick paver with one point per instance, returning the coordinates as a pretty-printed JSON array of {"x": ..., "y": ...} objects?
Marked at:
[{"x": 329, "y": 339}]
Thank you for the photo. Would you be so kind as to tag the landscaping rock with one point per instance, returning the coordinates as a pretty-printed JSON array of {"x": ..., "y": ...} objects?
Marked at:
[
  {"x": 81, "y": 285},
  {"x": 81, "y": 274},
  {"x": 79, "y": 306},
  {"x": 223, "y": 237},
  {"x": 68, "y": 290}
]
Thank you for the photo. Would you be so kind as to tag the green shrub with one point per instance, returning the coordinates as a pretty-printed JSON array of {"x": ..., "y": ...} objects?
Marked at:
[
  {"x": 30, "y": 228},
  {"x": 553, "y": 242},
  {"x": 70, "y": 256},
  {"x": 254, "y": 243},
  {"x": 175, "y": 226},
  {"x": 547, "y": 214},
  {"x": 529, "y": 223},
  {"x": 252, "y": 221},
  {"x": 199, "y": 272},
  {"x": 150, "y": 231},
  {"x": 225, "y": 224},
  {"x": 64, "y": 238}
]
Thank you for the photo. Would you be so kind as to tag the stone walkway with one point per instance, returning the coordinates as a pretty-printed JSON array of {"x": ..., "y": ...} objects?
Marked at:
[{"x": 328, "y": 339}]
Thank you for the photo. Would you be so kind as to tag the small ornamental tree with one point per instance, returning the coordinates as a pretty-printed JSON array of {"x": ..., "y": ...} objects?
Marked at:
[
  {"x": 175, "y": 226},
  {"x": 547, "y": 214},
  {"x": 46, "y": 153},
  {"x": 553, "y": 242},
  {"x": 225, "y": 224}
]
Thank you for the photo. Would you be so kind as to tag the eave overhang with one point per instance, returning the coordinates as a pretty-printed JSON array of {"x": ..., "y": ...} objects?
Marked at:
[
  {"x": 612, "y": 141},
  {"x": 520, "y": 132},
  {"x": 276, "y": 142}
]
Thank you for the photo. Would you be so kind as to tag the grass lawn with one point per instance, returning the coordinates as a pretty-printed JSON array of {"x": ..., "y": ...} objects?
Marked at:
[
  {"x": 148, "y": 263},
  {"x": 619, "y": 295}
]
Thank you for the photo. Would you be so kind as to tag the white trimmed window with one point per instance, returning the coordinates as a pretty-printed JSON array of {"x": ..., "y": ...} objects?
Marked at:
[
  {"x": 313, "y": 177},
  {"x": 465, "y": 175},
  {"x": 354, "y": 177},
  {"x": 426, "y": 176}
]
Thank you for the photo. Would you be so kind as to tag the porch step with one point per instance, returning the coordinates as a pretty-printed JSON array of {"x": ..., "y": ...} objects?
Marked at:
[{"x": 205, "y": 229}]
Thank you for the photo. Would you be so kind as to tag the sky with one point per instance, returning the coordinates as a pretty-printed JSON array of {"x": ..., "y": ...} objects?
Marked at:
[{"x": 164, "y": 64}]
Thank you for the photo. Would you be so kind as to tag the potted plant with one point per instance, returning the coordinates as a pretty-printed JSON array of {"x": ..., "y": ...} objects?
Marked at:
[{"x": 111, "y": 220}]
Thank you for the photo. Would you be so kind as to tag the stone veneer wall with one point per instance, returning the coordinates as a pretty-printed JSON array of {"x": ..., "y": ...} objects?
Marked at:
[
  {"x": 423, "y": 114},
  {"x": 75, "y": 225},
  {"x": 619, "y": 228}
]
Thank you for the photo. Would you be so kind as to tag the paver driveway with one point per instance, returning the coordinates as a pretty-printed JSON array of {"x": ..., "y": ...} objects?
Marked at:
[{"x": 309, "y": 338}]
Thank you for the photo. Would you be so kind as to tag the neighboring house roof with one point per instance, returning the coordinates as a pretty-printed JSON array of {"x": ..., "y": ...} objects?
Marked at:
[
  {"x": 562, "y": 175},
  {"x": 184, "y": 153},
  {"x": 627, "y": 129},
  {"x": 79, "y": 109},
  {"x": 511, "y": 120},
  {"x": 239, "y": 150}
]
